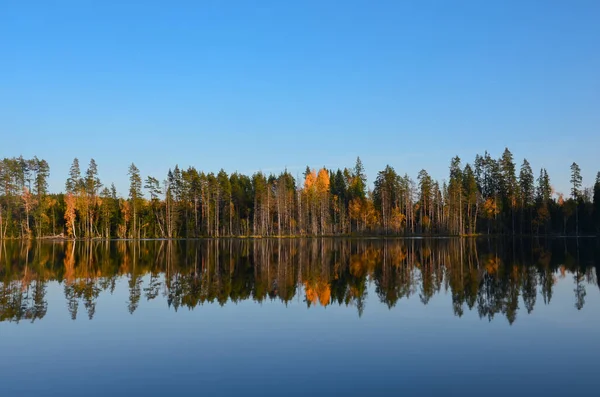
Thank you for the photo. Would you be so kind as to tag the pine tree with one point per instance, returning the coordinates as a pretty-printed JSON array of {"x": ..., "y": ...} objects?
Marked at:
[
  {"x": 339, "y": 196},
  {"x": 152, "y": 185},
  {"x": 544, "y": 195},
  {"x": 597, "y": 203},
  {"x": 509, "y": 184},
  {"x": 41, "y": 171},
  {"x": 74, "y": 181},
  {"x": 386, "y": 195},
  {"x": 576, "y": 192},
  {"x": 92, "y": 186},
  {"x": 544, "y": 190},
  {"x": 471, "y": 198},
  {"x": 359, "y": 181},
  {"x": 527, "y": 190},
  {"x": 225, "y": 201},
  {"x": 92, "y": 182},
  {"x": 455, "y": 192},
  {"x": 425, "y": 200},
  {"x": 135, "y": 194},
  {"x": 575, "y": 181}
]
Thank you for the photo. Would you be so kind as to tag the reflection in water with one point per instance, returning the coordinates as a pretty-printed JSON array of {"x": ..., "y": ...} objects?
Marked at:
[{"x": 489, "y": 276}]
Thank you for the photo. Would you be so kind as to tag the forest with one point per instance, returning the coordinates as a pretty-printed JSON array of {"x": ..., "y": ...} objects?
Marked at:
[{"x": 488, "y": 197}]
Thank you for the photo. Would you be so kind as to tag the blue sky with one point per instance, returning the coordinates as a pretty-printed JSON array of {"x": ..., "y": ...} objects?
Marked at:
[{"x": 265, "y": 85}]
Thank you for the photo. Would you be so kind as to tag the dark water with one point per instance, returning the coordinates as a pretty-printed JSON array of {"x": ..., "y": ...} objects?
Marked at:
[{"x": 300, "y": 317}]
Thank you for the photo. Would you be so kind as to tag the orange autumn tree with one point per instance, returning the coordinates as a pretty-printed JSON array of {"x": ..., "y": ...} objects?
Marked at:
[
  {"x": 355, "y": 210},
  {"x": 125, "y": 209},
  {"x": 317, "y": 291},
  {"x": 309, "y": 197},
  {"x": 317, "y": 203},
  {"x": 398, "y": 219},
  {"x": 322, "y": 191},
  {"x": 490, "y": 210},
  {"x": 70, "y": 201}
]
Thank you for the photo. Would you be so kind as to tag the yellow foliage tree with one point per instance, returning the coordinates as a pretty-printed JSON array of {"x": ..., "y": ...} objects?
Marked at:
[
  {"x": 355, "y": 209},
  {"x": 126, "y": 210},
  {"x": 322, "y": 181},
  {"x": 370, "y": 214},
  {"x": 490, "y": 208},
  {"x": 310, "y": 181},
  {"x": 70, "y": 216},
  {"x": 322, "y": 187},
  {"x": 398, "y": 219}
]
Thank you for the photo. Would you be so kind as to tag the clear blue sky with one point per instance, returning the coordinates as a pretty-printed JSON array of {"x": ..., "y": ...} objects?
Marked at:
[{"x": 246, "y": 86}]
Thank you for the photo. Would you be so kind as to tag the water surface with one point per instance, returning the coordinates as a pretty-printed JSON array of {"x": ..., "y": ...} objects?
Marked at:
[{"x": 300, "y": 317}]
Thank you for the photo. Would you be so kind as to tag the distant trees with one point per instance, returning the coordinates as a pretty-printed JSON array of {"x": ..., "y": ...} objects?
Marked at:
[
  {"x": 25, "y": 207},
  {"x": 486, "y": 196}
]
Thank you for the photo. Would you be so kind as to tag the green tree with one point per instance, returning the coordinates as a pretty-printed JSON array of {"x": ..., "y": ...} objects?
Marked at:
[
  {"x": 339, "y": 194},
  {"x": 544, "y": 195},
  {"x": 576, "y": 192},
  {"x": 41, "y": 171},
  {"x": 597, "y": 203},
  {"x": 386, "y": 194},
  {"x": 74, "y": 182},
  {"x": 225, "y": 203},
  {"x": 455, "y": 195},
  {"x": 108, "y": 208},
  {"x": 92, "y": 185},
  {"x": 527, "y": 190},
  {"x": 92, "y": 181},
  {"x": 509, "y": 184},
  {"x": 242, "y": 198},
  {"x": 425, "y": 200},
  {"x": 471, "y": 194},
  {"x": 359, "y": 181},
  {"x": 193, "y": 194},
  {"x": 544, "y": 190},
  {"x": 152, "y": 185},
  {"x": 135, "y": 194}
]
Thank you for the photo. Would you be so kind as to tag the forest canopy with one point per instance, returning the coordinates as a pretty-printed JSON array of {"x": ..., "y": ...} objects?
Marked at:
[{"x": 487, "y": 196}]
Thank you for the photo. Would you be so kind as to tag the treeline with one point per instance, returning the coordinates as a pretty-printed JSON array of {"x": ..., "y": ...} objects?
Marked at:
[
  {"x": 493, "y": 277},
  {"x": 489, "y": 196}
]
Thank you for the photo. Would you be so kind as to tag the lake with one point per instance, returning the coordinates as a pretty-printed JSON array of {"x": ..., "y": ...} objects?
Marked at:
[{"x": 300, "y": 317}]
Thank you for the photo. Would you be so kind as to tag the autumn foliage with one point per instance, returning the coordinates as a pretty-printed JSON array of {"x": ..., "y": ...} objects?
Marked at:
[{"x": 489, "y": 196}]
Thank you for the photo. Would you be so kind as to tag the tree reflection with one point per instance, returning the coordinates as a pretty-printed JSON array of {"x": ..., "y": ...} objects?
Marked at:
[{"x": 490, "y": 277}]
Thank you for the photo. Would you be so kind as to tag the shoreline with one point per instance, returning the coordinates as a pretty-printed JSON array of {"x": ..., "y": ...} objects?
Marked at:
[{"x": 292, "y": 237}]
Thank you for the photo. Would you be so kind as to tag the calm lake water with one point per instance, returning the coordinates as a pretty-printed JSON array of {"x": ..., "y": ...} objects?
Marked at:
[{"x": 300, "y": 317}]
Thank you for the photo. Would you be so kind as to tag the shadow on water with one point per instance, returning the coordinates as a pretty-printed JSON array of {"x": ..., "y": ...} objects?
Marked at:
[{"x": 489, "y": 276}]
